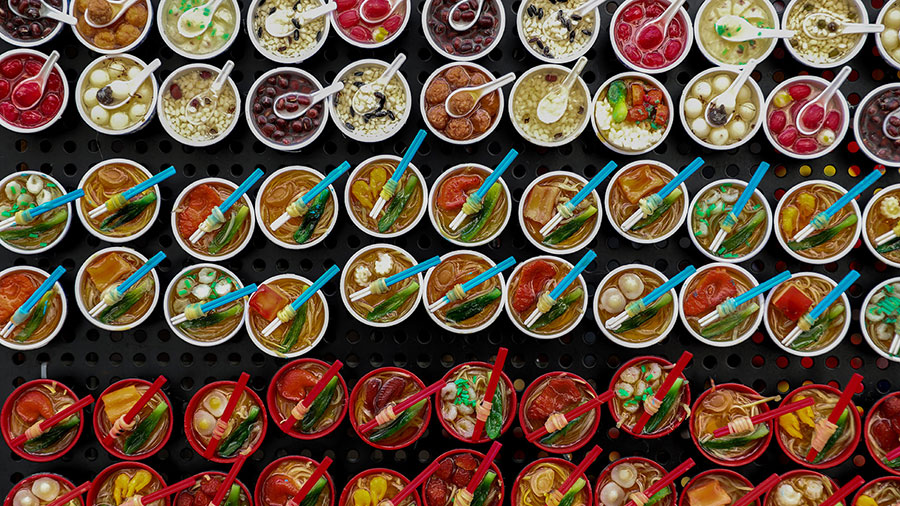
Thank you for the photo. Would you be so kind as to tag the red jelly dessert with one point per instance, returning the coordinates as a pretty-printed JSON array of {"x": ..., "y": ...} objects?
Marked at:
[
  {"x": 467, "y": 43},
  {"x": 350, "y": 20},
  {"x": 644, "y": 45},
  {"x": 270, "y": 95},
  {"x": 783, "y": 114},
  {"x": 26, "y": 107}
]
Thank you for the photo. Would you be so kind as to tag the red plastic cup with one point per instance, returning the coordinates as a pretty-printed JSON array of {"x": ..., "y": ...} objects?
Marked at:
[
  {"x": 682, "y": 414},
  {"x": 269, "y": 469},
  {"x": 746, "y": 459},
  {"x": 683, "y": 499},
  {"x": 511, "y": 399},
  {"x": 272, "y": 405},
  {"x": 560, "y": 449},
  {"x": 119, "y": 466},
  {"x": 869, "y": 419},
  {"x": 217, "y": 474},
  {"x": 790, "y": 474},
  {"x": 862, "y": 490},
  {"x": 426, "y": 415},
  {"x": 6, "y": 416},
  {"x": 845, "y": 454},
  {"x": 27, "y": 481},
  {"x": 192, "y": 407},
  {"x": 606, "y": 470},
  {"x": 98, "y": 412},
  {"x": 514, "y": 493},
  {"x": 345, "y": 493},
  {"x": 478, "y": 456}
]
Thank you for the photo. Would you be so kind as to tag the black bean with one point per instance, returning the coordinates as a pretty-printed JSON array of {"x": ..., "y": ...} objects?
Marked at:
[{"x": 349, "y": 126}]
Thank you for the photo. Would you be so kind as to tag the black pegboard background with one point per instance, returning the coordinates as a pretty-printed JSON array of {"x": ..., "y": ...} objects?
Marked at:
[{"x": 88, "y": 359}]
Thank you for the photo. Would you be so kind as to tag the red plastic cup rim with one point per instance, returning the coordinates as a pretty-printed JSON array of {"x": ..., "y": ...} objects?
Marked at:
[
  {"x": 683, "y": 500},
  {"x": 426, "y": 416},
  {"x": 28, "y": 480},
  {"x": 862, "y": 490},
  {"x": 797, "y": 472},
  {"x": 98, "y": 412},
  {"x": 6, "y": 414},
  {"x": 480, "y": 456},
  {"x": 118, "y": 466},
  {"x": 576, "y": 445},
  {"x": 345, "y": 493},
  {"x": 869, "y": 416},
  {"x": 189, "y": 420},
  {"x": 267, "y": 471},
  {"x": 272, "y": 405},
  {"x": 746, "y": 459},
  {"x": 218, "y": 474},
  {"x": 615, "y": 379},
  {"x": 513, "y": 494},
  {"x": 611, "y": 465},
  {"x": 511, "y": 397},
  {"x": 845, "y": 454}
]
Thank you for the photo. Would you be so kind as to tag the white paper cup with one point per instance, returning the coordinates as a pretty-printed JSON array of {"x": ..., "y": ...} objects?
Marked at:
[
  {"x": 264, "y": 227},
  {"x": 251, "y": 116},
  {"x": 862, "y": 321},
  {"x": 874, "y": 201},
  {"x": 581, "y": 310},
  {"x": 173, "y": 285},
  {"x": 776, "y": 24},
  {"x": 632, "y": 75},
  {"x": 754, "y": 90},
  {"x": 618, "y": 228},
  {"x": 161, "y": 14},
  {"x": 434, "y": 194},
  {"x": 520, "y": 30},
  {"x": 456, "y": 330},
  {"x": 689, "y": 39},
  {"x": 9, "y": 39},
  {"x": 423, "y": 187},
  {"x": 711, "y": 342},
  {"x": 549, "y": 249},
  {"x": 321, "y": 334},
  {"x": 126, "y": 49},
  {"x": 860, "y": 115},
  {"x": 579, "y": 83},
  {"x": 96, "y": 233},
  {"x": 346, "y": 299},
  {"x": 182, "y": 241},
  {"x": 167, "y": 124},
  {"x": 501, "y": 17},
  {"x": 62, "y": 318},
  {"x": 20, "y": 251},
  {"x": 881, "y": 49},
  {"x": 86, "y": 114},
  {"x": 85, "y": 311},
  {"x": 353, "y": 134},
  {"x": 602, "y": 324},
  {"x": 423, "y": 106},
  {"x": 254, "y": 4},
  {"x": 843, "y": 332},
  {"x": 839, "y": 135},
  {"x": 863, "y": 17},
  {"x": 65, "y": 97}
]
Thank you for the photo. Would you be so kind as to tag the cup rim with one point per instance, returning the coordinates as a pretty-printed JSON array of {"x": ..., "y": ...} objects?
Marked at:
[
  {"x": 249, "y": 116},
  {"x": 618, "y": 229},
  {"x": 441, "y": 323},
  {"x": 20, "y": 251},
  {"x": 731, "y": 473},
  {"x": 596, "y": 98},
  {"x": 426, "y": 417},
  {"x": 688, "y": 42},
  {"x": 83, "y": 77},
  {"x": 815, "y": 261},
  {"x": 501, "y": 14},
  {"x": 513, "y": 494},
  {"x": 346, "y": 300},
  {"x": 404, "y": 118},
  {"x": 572, "y": 249},
  {"x": 602, "y": 324},
  {"x": 864, "y": 330},
  {"x": 562, "y": 140},
  {"x": 181, "y": 241},
  {"x": 122, "y": 50},
  {"x": 882, "y": 193},
  {"x": 28, "y": 480},
  {"x": 589, "y": 435},
  {"x": 6, "y": 37},
  {"x": 91, "y": 494},
  {"x": 662, "y": 362},
  {"x": 858, "y": 117},
  {"x": 839, "y": 136},
  {"x": 273, "y": 407},
  {"x": 111, "y": 449},
  {"x": 372, "y": 470},
  {"x": 584, "y": 298},
  {"x": 251, "y": 11},
  {"x": 80, "y": 301},
  {"x": 423, "y": 106},
  {"x": 512, "y": 405},
  {"x": 62, "y": 77},
  {"x": 164, "y": 119},
  {"x": 432, "y": 195},
  {"x": 168, "y": 314},
  {"x": 624, "y": 460},
  {"x": 62, "y": 319},
  {"x": 682, "y": 294},
  {"x": 754, "y": 90},
  {"x": 332, "y": 16},
  {"x": 868, "y": 484},
  {"x": 96, "y": 233},
  {"x": 195, "y": 56},
  {"x": 795, "y": 472},
  {"x": 864, "y": 18},
  {"x": 742, "y": 461},
  {"x": 843, "y": 332},
  {"x": 267, "y": 471},
  {"x": 265, "y": 227},
  {"x": 5, "y": 415},
  {"x": 293, "y": 354},
  {"x": 192, "y": 408},
  {"x": 876, "y": 458},
  {"x": 881, "y": 49},
  {"x": 520, "y": 30},
  {"x": 776, "y": 21},
  {"x": 477, "y": 454},
  {"x": 359, "y": 167},
  {"x": 766, "y": 235}
]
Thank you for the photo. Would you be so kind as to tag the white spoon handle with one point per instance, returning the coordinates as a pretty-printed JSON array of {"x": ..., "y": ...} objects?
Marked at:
[
  {"x": 775, "y": 33},
  {"x": 583, "y": 9},
  {"x": 498, "y": 83},
  {"x": 391, "y": 70},
  {"x": 48, "y": 66},
  {"x": 833, "y": 86},
  {"x": 574, "y": 73},
  {"x": 318, "y": 12},
  {"x": 222, "y": 78},
  {"x": 60, "y": 16},
  {"x": 671, "y": 11},
  {"x": 136, "y": 83},
  {"x": 325, "y": 92},
  {"x": 862, "y": 28}
]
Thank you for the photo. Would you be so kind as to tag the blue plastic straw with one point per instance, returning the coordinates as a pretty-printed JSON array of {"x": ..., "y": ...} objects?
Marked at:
[
  {"x": 762, "y": 287},
  {"x": 574, "y": 273},
  {"x": 495, "y": 175},
  {"x": 833, "y": 295},
  {"x": 34, "y": 212},
  {"x": 681, "y": 177},
  {"x": 315, "y": 287},
  {"x": 138, "y": 188},
  {"x": 138, "y": 274},
  {"x": 327, "y": 180},
  {"x": 488, "y": 274},
  {"x": 48, "y": 283},
  {"x": 228, "y": 297},
  {"x": 852, "y": 194},
  {"x": 415, "y": 269},
  {"x": 592, "y": 184},
  {"x": 241, "y": 190},
  {"x": 408, "y": 156},
  {"x": 748, "y": 190},
  {"x": 668, "y": 285}
]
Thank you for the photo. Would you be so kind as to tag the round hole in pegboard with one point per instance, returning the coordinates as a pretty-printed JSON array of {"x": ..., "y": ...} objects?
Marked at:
[
  {"x": 234, "y": 358},
  {"x": 758, "y": 361},
  {"x": 257, "y": 359},
  {"x": 115, "y": 358},
  {"x": 187, "y": 383},
  {"x": 883, "y": 386},
  {"x": 831, "y": 362},
  {"x": 733, "y": 360},
  {"x": 92, "y": 383},
  {"x": 759, "y": 385}
]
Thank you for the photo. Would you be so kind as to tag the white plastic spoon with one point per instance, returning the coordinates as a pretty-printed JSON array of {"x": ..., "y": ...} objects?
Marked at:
[
  {"x": 841, "y": 27},
  {"x": 884, "y": 126},
  {"x": 727, "y": 100},
  {"x": 194, "y": 21},
  {"x": 821, "y": 102},
  {"x": 554, "y": 104},
  {"x": 737, "y": 29},
  {"x": 125, "y": 6},
  {"x": 209, "y": 97},
  {"x": 477, "y": 93},
  {"x": 281, "y": 22},
  {"x": 305, "y": 101},
  {"x": 124, "y": 89},
  {"x": 364, "y": 99},
  {"x": 45, "y": 11},
  {"x": 40, "y": 79},
  {"x": 661, "y": 23},
  {"x": 460, "y": 25},
  {"x": 367, "y": 19}
]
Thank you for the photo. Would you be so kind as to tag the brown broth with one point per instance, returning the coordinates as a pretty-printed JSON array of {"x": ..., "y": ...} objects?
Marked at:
[
  {"x": 816, "y": 289},
  {"x": 824, "y": 196},
  {"x": 441, "y": 490},
  {"x": 567, "y": 319},
  {"x": 710, "y": 210},
  {"x": 733, "y": 487},
  {"x": 459, "y": 415},
  {"x": 60, "y": 398},
  {"x": 333, "y": 411},
  {"x": 315, "y": 317},
  {"x": 16, "y": 236},
  {"x": 363, "y": 412},
  {"x": 540, "y": 206},
  {"x": 112, "y": 179},
  {"x": 187, "y": 219},
  {"x": 443, "y": 216},
  {"x": 356, "y": 280},
  {"x": 878, "y": 223},
  {"x": 631, "y": 388},
  {"x": 825, "y": 402},
  {"x": 366, "y": 188},
  {"x": 158, "y": 434},
  {"x": 92, "y": 293},
  {"x": 648, "y": 179},
  {"x": 884, "y": 493},
  {"x": 716, "y": 410},
  {"x": 177, "y": 303},
  {"x": 742, "y": 283},
  {"x": 655, "y": 326},
  {"x": 285, "y": 188},
  {"x": 457, "y": 270},
  {"x": 106, "y": 491},
  {"x": 240, "y": 413},
  {"x": 646, "y": 475},
  {"x": 14, "y": 285},
  {"x": 394, "y": 485},
  {"x": 526, "y": 494},
  {"x": 556, "y": 394},
  {"x": 297, "y": 471},
  {"x": 802, "y": 482}
]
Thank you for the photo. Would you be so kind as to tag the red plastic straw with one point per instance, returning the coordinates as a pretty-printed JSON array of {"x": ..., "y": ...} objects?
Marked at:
[
  {"x": 844, "y": 491},
  {"x": 289, "y": 422},
  {"x": 317, "y": 473},
  {"x": 483, "y": 467},
  {"x": 769, "y": 415},
  {"x": 582, "y": 467},
  {"x": 226, "y": 415},
  {"x": 72, "y": 494},
  {"x": 225, "y": 487},
  {"x": 406, "y": 403},
  {"x": 56, "y": 418},
  {"x": 666, "y": 480},
  {"x": 573, "y": 413},
  {"x": 491, "y": 387},
  {"x": 664, "y": 389},
  {"x": 849, "y": 391},
  {"x": 414, "y": 484},
  {"x": 129, "y": 416},
  {"x": 757, "y": 491}
]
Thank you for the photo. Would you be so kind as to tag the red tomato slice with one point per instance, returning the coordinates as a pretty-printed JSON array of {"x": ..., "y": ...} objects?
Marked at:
[
  {"x": 712, "y": 289},
  {"x": 294, "y": 384},
  {"x": 453, "y": 192},
  {"x": 279, "y": 489},
  {"x": 531, "y": 282},
  {"x": 33, "y": 405},
  {"x": 793, "y": 303},
  {"x": 14, "y": 289},
  {"x": 196, "y": 207},
  {"x": 267, "y": 301}
]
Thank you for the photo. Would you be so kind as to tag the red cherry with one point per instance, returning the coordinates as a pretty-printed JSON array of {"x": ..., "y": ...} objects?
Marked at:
[
  {"x": 623, "y": 32},
  {"x": 26, "y": 95},
  {"x": 392, "y": 24},
  {"x": 348, "y": 19},
  {"x": 4, "y": 88},
  {"x": 50, "y": 105},
  {"x": 633, "y": 13},
  {"x": 633, "y": 54},
  {"x": 788, "y": 136},
  {"x": 343, "y": 5},
  {"x": 9, "y": 112},
  {"x": 33, "y": 67},
  {"x": 376, "y": 9},
  {"x": 11, "y": 68},
  {"x": 675, "y": 29},
  {"x": 649, "y": 37},
  {"x": 833, "y": 121},
  {"x": 32, "y": 118},
  {"x": 654, "y": 10},
  {"x": 672, "y": 49},
  {"x": 54, "y": 83},
  {"x": 806, "y": 146},
  {"x": 777, "y": 122},
  {"x": 799, "y": 91},
  {"x": 360, "y": 33},
  {"x": 653, "y": 60}
]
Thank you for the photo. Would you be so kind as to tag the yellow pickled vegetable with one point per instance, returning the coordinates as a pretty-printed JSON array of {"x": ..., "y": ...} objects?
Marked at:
[
  {"x": 377, "y": 178},
  {"x": 790, "y": 424},
  {"x": 360, "y": 497},
  {"x": 865, "y": 500},
  {"x": 118, "y": 402},
  {"x": 120, "y": 487},
  {"x": 360, "y": 190},
  {"x": 782, "y": 99},
  {"x": 789, "y": 217},
  {"x": 806, "y": 202},
  {"x": 806, "y": 415},
  {"x": 377, "y": 488},
  {"x": 140, "y": 480}
]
